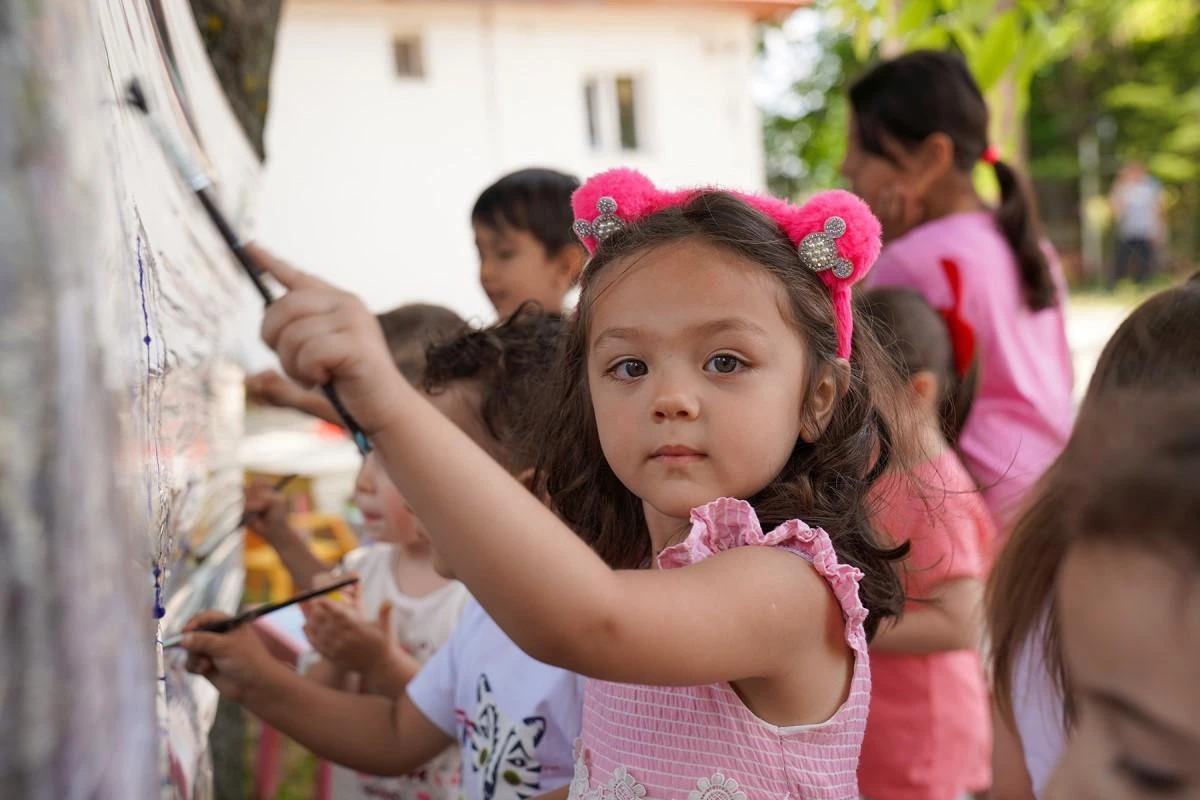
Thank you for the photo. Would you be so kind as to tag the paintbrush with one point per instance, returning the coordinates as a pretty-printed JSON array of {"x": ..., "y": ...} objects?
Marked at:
[
  {"x": 201, "y": 185},
  {"x": 279, "y": 486},
  {"x": 210, "y": 546},
  {"x": 226, "y": 625}
]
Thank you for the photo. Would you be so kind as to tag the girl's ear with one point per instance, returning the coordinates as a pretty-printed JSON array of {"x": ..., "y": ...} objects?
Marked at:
[{"x": 827, "y": 388}]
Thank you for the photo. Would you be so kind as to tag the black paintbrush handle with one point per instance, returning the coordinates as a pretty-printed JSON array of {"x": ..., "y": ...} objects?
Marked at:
[
  {"x": 252, "y": 270},
  {"x": 226, "y": 625},
  {"x": 235, "y": 244},
  {"x": 200, "y": 185}
]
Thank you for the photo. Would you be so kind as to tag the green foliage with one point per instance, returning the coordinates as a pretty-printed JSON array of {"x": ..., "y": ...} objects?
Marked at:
[
  {"x": 994, "y": 36},
  {"x": 1072, "y": 63},
  {"x": 1137, "y": 65},
  {"x": 805, "y": 148},
  {"x": 998, "y": 38}
]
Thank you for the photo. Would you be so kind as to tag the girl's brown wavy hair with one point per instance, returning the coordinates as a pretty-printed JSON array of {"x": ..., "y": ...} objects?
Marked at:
[
  {"x": 1156, "y": 349},
  {"x": 826, "y": 483}
]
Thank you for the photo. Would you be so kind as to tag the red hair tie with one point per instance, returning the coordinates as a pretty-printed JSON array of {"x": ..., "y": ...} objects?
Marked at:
[
  {"x": 962, "y": 335},
  {"x": 990, "y": 156}
]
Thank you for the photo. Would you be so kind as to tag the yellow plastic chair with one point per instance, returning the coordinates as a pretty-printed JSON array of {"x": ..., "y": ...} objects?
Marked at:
[
  {"x": 266, "y": 576},
  {"x": 329, "y": 538}
]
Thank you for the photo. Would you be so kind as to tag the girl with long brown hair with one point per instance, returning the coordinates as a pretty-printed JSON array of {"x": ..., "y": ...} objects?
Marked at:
[
  {"x": 919, "y": 126},
  {"x": 713, "y": 434},
  {"x": 1157, "y": 348}
]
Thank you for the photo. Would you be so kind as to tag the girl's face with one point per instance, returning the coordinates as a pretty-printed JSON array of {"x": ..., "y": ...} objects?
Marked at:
[
  {"x": 871, "y": 175},
  {"x": 696, "y": 378},
  {"x": 1130, "y": 623},
  {"x": 386, "y": 517}
]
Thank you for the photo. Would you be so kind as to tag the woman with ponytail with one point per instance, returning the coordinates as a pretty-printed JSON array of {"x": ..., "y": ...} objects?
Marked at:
[{"x": 919, "y": 126}]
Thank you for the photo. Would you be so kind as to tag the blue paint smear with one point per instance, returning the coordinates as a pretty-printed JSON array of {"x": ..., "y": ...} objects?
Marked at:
[
  {"x": 142, "y": 292},
  {"x": 159, "y": 611}
]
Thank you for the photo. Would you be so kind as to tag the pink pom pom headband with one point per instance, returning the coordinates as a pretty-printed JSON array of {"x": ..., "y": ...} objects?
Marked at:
[{"x": 835, "y": 233}]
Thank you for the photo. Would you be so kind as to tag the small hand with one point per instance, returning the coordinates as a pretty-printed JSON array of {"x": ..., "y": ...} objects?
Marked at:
[
  {"x": 342, "y": 636},
  {"x": 323, "y": 335},
  {"x": 266, "y": 510},
  {"x": 270, "y": 388},
  {"x": 236, "y": 662}
]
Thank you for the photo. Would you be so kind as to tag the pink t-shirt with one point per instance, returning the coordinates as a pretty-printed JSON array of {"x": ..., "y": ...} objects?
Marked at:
[
  {"x": 929, "y": 732},
  {"x": 1023, "y": 411}
]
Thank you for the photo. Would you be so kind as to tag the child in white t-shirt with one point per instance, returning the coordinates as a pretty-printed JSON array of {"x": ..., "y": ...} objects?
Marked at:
[
  {"x": 514, "y": 718},
  {"x": 405, "y": 612}
]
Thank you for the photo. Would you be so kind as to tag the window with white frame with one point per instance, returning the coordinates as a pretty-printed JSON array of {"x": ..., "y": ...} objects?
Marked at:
[{"x": 613, "y": 108}]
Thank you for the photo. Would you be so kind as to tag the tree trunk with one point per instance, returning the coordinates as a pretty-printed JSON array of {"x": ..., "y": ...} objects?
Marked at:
[{"x": 240, "y": 38}]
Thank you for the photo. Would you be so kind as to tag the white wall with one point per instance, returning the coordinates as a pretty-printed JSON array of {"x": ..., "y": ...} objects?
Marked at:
[{"x": 370, "y": 178}]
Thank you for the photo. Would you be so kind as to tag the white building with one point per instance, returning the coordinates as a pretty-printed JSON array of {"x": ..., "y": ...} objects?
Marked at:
[{"x": 388, "y": 118}]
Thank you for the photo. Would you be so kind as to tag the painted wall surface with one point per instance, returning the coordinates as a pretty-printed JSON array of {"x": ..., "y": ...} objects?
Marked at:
[
  {"x": 120, "y": 399},
  {"x": 370, "y": 175}
]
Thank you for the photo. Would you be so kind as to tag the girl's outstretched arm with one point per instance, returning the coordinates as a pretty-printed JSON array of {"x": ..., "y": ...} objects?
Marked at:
[
  {"x": 741, "y": 614},
  {"x": 367, "y": 733}
]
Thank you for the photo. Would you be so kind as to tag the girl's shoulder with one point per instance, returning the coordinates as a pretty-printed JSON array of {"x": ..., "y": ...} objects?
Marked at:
[
  {"x": 967, "y": 238},
  {"x": 726, "y": 525}
]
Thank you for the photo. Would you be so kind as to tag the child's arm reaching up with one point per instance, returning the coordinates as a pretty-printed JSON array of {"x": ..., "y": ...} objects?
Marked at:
[
  {"x": 267, "y": 516},
  {"x": 272, "y": 389},
  {"x": 542, "y": 585},
  {"x": 368, "y": 733}
]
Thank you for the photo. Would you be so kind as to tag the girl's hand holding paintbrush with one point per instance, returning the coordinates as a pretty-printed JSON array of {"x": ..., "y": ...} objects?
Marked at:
[
  {"x": 226, "y": 651},
  {"x": 322, "y": 335},
  {"x": 266, "y": 511},
  {"x": 236, "y": 662}
]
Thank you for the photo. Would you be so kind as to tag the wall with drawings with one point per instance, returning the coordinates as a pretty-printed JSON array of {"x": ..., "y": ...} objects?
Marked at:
[{"x": 120, "y": 398}]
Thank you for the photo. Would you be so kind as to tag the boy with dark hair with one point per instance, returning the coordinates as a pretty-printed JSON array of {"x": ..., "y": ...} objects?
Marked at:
[{"x": 527, "y": 249}]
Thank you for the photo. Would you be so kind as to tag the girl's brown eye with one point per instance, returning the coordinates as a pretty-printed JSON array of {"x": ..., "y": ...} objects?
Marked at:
[
  {"x": 630, "y": 368},
  {"x": 723, "y": 364}
]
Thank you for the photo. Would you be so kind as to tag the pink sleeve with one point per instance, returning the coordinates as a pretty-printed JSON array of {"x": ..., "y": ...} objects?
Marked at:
[{"x": 946, "y": 543}]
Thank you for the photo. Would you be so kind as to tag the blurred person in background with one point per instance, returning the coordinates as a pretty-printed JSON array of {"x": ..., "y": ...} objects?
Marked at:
[{"x": 1137, "y": 207}]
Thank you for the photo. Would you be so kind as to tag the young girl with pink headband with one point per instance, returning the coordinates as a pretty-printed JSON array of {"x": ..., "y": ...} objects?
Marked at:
[{"x": 712, "y": 437}]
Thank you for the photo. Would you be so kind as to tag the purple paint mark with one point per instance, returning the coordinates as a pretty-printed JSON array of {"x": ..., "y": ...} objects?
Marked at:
[
  {"x": 146, "y": 321},
  {"x": 159, "y": 611},
  {"x": 142, "y": 292}
]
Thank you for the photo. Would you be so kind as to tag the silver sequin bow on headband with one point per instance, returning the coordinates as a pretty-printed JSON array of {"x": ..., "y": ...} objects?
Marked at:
[
  {"x": 818, "y": 251},
  {"x": 605, "y": 225}
]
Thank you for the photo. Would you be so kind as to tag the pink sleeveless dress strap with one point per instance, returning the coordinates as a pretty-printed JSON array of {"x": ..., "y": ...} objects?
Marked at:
[{"x": 702, "y": 742}]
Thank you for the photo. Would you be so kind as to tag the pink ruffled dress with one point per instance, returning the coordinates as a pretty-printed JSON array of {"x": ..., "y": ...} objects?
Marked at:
[{"x": 702, "y": 742}]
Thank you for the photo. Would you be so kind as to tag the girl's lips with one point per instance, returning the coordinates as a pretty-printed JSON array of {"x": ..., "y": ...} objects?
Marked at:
[{"x": 676, "y": 454}]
